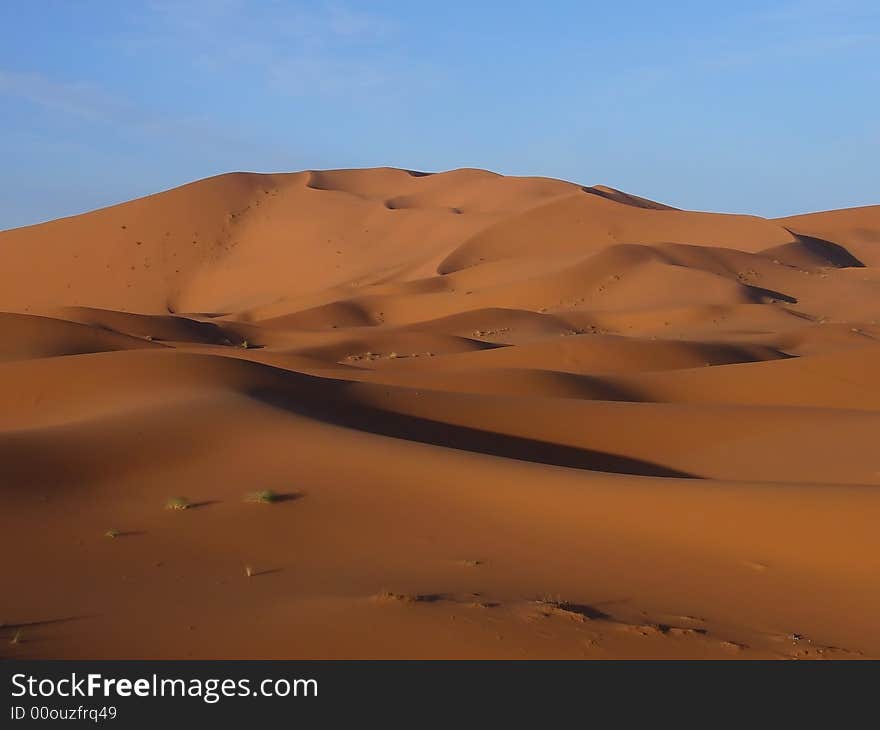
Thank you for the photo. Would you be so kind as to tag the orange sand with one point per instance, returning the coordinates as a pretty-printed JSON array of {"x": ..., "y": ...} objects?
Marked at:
[{"x": 508, "y": 417}]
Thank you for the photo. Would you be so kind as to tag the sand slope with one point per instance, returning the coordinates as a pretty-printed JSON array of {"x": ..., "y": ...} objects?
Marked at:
[{"x": 505, "y": 417}]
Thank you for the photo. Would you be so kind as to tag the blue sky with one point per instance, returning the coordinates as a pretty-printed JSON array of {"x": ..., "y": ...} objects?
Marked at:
[{"x": 759, "y": 107}]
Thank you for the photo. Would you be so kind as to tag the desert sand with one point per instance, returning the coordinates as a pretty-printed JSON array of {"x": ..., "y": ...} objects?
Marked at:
[{"x": 494, "y": 417}]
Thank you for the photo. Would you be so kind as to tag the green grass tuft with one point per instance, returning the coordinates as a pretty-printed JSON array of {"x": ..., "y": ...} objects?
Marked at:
[
  {"x": 178, "y": 503},
  {"x": 266, "y": 496}
]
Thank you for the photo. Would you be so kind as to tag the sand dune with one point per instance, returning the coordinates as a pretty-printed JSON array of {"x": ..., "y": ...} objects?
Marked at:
[{"x": 489, "y": 416}]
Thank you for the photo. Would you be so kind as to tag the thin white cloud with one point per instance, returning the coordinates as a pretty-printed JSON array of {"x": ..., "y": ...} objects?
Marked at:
[
  {"x": 79, "y": 98},
  {"x": 288, "y": 49},
  {"x": 293, "y": 48},
  {"x": 797, "y": 32},
  {"x": 62, "y": 101},
  {"x": 794, "y": 47},
  {"x": 811, "y": 12}
]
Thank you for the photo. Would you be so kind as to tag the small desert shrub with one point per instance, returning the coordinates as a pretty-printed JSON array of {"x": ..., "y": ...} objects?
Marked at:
[
  {"x": 484, "y": 604},
  {"x": 391, "y": 596},
  {"x": 112, "y": 533},
  {"x": 178, "y": 503},
  {"x": 266, "y": 496},
  {"x": 16, "y": 639},
  {"x": 245, "y": 345}
]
